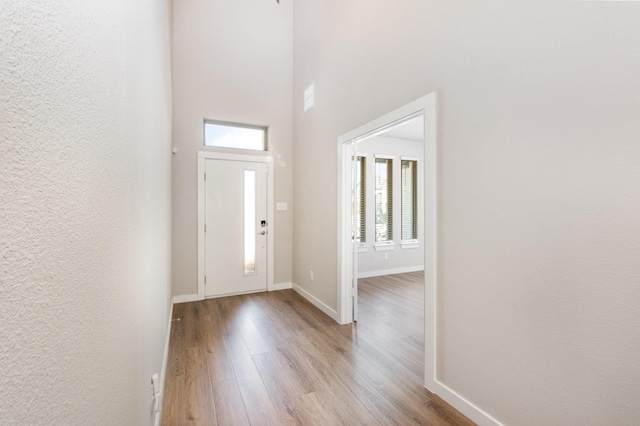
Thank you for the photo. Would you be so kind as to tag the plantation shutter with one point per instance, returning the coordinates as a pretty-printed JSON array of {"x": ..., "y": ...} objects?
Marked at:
[
  {"x": 362, "y": 199},
  {"x": 384, "y": 199},
  {"x": 409, "y": 199}
]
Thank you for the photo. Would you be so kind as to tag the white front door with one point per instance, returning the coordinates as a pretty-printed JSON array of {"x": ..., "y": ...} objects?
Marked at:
[{"x": 236, "y": 228}]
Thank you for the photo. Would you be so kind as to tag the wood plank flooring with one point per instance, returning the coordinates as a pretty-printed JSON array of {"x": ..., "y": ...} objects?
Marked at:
[{"x": 275, "y": 359}]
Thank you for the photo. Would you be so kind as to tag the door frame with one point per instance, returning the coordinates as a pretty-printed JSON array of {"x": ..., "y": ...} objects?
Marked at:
[
  {"x": 209, "y": 155},
  {"x": 427, "y": 107}
]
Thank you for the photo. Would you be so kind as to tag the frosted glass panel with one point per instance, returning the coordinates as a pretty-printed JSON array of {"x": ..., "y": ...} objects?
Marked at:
[
  {"x": 249, "y": 222},
  {"x": 234, "y": 136}
]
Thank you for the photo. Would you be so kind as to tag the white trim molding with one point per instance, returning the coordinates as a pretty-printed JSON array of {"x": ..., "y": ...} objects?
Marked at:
[
  {"x": 316, "y": 302},
  {"x": 282, "y": 286},
  {"x": 163, "y": 372},
  {"x": 466, "y": 407},
  {"x": 186, "y": 298},
  {"x": 384, "y": 246},
  {"x": 410, "y": 244}
]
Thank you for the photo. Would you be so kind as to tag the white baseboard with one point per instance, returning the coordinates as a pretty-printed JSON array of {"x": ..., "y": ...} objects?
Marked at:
[
  {"x": 466, "y": 407},
  {"x": 281, "y": 286},
  {"x": 316, "y": 302},
  {"x": 185, "y": 298},
  {"x": 163, "y": 371},
  {"x": 381, "y": 272}
]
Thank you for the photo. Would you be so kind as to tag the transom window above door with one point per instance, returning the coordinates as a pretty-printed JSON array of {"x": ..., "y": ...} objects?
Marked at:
[{"x": 219, "y": 134}]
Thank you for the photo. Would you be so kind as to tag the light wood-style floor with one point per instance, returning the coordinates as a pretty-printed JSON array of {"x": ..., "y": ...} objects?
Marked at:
[{"x": 274, "y": 359}]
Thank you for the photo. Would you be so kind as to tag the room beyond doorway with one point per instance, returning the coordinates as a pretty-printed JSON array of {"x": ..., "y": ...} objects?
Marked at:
[
  {"x": 347, "y": 229},
  {"x": 389, "y": 201}
]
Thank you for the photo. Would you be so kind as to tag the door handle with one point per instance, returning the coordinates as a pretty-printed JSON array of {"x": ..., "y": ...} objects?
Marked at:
[{"x": 263, "y": 233}]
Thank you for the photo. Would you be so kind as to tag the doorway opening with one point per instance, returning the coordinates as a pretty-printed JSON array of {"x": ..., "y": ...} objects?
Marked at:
[{"x": 415, "y": 229}]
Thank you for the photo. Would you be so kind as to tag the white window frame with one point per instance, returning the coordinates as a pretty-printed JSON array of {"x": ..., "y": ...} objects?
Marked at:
[
  {"x": 412, "y": 243},
  {"x": 242, "y": 151},
  {"x": 388, "y": 244}
]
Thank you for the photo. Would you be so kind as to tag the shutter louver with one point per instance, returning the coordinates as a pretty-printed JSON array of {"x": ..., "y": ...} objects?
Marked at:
[
  {"x": 362, "y": 199},
  {"x": 384, "y": 199},
  {"x": 409, "y": 192}
]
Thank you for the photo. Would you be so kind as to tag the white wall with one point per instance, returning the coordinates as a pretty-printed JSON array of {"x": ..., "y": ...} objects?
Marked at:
[
  {"x": 232, "y": 62},
  {"x": 539, "y": 237},
  {"x": 85, "y": 110},
  {"x": 372, "y": 262}
]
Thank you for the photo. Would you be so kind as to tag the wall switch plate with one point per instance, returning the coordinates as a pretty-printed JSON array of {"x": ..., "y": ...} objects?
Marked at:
[{"x": 282, "y": 207}]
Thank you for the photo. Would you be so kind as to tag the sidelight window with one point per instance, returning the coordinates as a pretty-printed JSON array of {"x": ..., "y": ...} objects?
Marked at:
[{"x": 249, "y": 222}]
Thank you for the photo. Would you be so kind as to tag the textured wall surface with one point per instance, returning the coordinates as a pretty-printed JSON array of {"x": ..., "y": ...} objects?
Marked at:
[
  {"x": 85, "y": 111},
  {"x": 232, "y": 62},
  {"x": 539, "y": 183}
]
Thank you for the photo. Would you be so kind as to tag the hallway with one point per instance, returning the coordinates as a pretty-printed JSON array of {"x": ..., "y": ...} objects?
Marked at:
[{"x": 273, "y": 358}]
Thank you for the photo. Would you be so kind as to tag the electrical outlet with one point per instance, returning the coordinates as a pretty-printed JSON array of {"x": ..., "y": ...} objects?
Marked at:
[
  {"x": 386, "y": 256},
  {"x": 311, "y": 274}
]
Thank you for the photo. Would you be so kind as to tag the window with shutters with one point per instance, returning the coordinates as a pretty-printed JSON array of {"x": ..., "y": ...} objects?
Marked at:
[
  {"x": 384, "y": 199},
  {"x": 409, "y": 199},
  {"x": 361, "y": 204}
]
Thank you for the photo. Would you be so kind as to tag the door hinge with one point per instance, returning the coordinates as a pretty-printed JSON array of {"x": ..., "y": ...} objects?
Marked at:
[
  {"x": 205, "y": 227},
  {"x": 205, "y": 280},
  {"x": 205, "y": 176}
]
